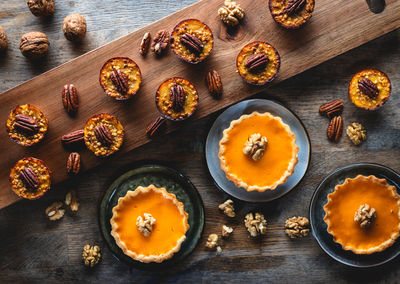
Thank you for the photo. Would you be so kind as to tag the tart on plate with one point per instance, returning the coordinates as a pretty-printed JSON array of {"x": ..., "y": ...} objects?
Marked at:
[
  {"x": 363, "y": 214},
  {"x": 291, "y": 14},
  {"x": 149, "y": 224},
  {"x": 258, "y": 151}
]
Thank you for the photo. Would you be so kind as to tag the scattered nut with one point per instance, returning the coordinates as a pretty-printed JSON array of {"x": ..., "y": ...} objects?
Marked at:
[
  {"x": 219, "y": 250},
  {"x": 34, "y": 45},
  {"x": 70, "y": 98},
  {"x": 72, "y": 201},
  {"x": 54, "y": 211},
  {"x": 365, "y": 216},
  {"x": 41, "y": 8},
  {"x": 3, "y": 39},
  {"x": 357, "y": 133},
  {"x": 214, "y": 83},
  {"x": 226, "y": 231},
  {"x": 231, "y": 13},
  {"x": 255, "y": 224},
  {"x": 228, "y": 208},
  {"x": 296, "y": 227},
  {"x": 145, "y": 225},
  {"x": 91, "y": 255},
  {"x": 255, "y": 146},
  {"x": 156, "y": 126},
  {"x": 335, "y": 128},
  {"x": 212, "y": 241},
  {"x": 74, "y": 163},
  {"x": 160, "y": 42},
  {"x": 74, "y": 27},
  {"x": 145, "y": 44}
]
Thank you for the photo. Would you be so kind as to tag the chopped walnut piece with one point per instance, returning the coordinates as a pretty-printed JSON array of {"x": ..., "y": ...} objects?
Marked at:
[
  {"x": 226, "y": 231},
  {"x": 365, "y": 215},
  {"x": 91, "y": 255},
  {"x": 231, "y": 13},
  {"x": 255, "y": 146},
  {"x": 357, "y": 133},
  {"x": 219, "y": 250},
  {"x": 54, "y": 211},
  {"x": 145, "y": 225},
  {"x": 212, "y": 241},
  {"x": 297, "y": 227},
  {"x": 255, "y": 224},
  {"x": 72, "y": 201},
  {"x": 228, "y": 208}
]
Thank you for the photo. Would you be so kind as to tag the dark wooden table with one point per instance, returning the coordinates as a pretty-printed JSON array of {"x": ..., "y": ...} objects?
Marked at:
[{"x": 34, "y": 249}]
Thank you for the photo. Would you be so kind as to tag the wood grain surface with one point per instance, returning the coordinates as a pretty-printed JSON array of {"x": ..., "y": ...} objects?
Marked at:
[
  {"x": 323, "y": 38},
  {"x": 35, "y": 250}
]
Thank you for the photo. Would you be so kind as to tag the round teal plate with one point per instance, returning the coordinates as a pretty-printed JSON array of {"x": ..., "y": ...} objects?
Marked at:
[{"x": 160, "y": 176}]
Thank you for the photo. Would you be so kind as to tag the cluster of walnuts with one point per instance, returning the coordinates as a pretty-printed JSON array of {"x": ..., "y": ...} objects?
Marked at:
[{"x": 35, "y": 44}]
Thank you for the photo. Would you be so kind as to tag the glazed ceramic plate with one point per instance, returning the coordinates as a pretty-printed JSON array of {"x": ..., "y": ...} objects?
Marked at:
[
  {"x": 246, "y": 107},
  {"x": 160, "y": 176},
  {"x": 319, "y": 227}
]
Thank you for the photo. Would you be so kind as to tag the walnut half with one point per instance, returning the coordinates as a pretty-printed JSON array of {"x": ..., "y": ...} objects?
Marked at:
[
  {"x": 356, "y": 133},
  {"x": 227, "y": 208},
  {"x": 231, "y": 13},
  {"x": 365, "y": 216},
  {"x": 255, "y": 146},
  {"x": 91, "y": 255},
  {"x": 296, "y": 227},
  {"x": 145, "y": 225},
  {"x": 255, "y": 224}
]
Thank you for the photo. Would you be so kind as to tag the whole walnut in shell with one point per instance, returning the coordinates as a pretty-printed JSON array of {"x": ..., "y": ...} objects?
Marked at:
[
  {"x": 74, "y": 27},
  {"x": 3, "y": 39},
  {"x": 41, "y": 8},
  {"x": 34, "y": 45}
]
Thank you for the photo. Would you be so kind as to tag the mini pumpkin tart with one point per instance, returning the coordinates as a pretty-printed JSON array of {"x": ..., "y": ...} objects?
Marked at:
[
  {"x": 363, "y": 214},
  {"x": 258, "y": 151},
  {"x": 176, "y": 99},
  {"x": 192, "y": 41},
  {"x": 258, "y": 63},
  {"x": 103, "y": 134},
  {"x": 26, "y": 125},
  {"x": 120, "y": 78},
  {"x": 30, "y": 178},
  {"x": 161, "y": 224},
  {"x": 291, "y": 14},
  {"x": 369, "y": 89}
]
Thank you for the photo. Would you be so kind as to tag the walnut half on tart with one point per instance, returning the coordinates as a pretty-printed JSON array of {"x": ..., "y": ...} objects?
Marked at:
[
  {"x": 192, "y": 41},
  {"x": 369, "y": 89},
  {"x": 120, "y": 78},
  {"x": 363, "y": 214},
  {"x": 149, "y": 224},
  {"x": 176, "y": 99},
  {"x": 30, "y": 178},
  {"x": 26, "y": 125},
  {"x": 258, "y": 63},
  {"x": 258, "y": 152},
  {"x": 103, "y": 134},
  {"x": 291, "y": 14}
]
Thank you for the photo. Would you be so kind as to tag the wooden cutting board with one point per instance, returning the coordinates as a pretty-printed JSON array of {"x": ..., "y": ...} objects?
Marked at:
[{"x": 336, "y": 27}]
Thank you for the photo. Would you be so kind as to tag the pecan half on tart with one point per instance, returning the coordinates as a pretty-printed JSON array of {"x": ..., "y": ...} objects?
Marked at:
[
  {"x": 258, "y": 63},
  {"x": 369, "y": 89},
  {"x": 363, "y": 214},
  {"x": 120, "y": 78},
  {"x": 291, "y": 14},
  {"x": 103, "y": 134},
  {"x": 26, "y": 125},
  {"x": 176, "y": 99},
  {"x": 30, "y": 178},
  {"x": 192, "y": 41},
  {"x": 258, "y": 151},
  {"x": 161, "y": 224}
]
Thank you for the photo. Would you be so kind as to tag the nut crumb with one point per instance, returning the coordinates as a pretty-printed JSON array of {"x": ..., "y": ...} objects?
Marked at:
[
  {"x": 91, "y": 255},
  {"x": 227, "y": 208},
  {"x": 54, "y": 211},
  {"x": 231, "y": 13},
  {"x": 255, "y": 224},
  {"x": 296, "y": 227},
  {"x": 357, "y": 133},
  {"x": 226, "y": 231},
  {"x": 219, "y": 250},
  {"x": 145, "y": 225},
  {"x": 72, "y": 201},
  {"x": 212, "y": 241},
  {"x": 255, "y": 146}
]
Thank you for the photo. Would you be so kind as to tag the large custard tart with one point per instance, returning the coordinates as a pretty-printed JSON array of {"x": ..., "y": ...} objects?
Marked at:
[
  {"x": 363, "y": 214},
  {"x": 258, "y": 151},
  {"x": 149, "y": 224}
]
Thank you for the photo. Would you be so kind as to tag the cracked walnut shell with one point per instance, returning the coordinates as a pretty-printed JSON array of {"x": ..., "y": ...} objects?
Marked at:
[
  {"x": 34, "y": 45},
  {"x": 41, "y": 8},
  {"x": 74, "y": 27},
  {"x": 54, "y": 211},
  {"x": 255, "y": 224},
  {"x": 91, "y": 255},
  {"x": 296, "y": 227}
]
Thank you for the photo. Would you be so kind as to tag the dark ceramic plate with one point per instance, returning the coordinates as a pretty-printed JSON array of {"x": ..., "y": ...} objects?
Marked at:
[
  {"x": 319, "y": 227},
  {"x": 160, "y": 176}
]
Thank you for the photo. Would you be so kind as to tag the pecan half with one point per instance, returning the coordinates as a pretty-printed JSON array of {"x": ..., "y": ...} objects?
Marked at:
[
  {"x": 256, "y": 62},
  {"x": 214, "y": 83},
  {"x": 192, "y": 43},
  {"x": 335, "y": 128},
  {"x": 74, "y": 163},
  {"x": 156, "y": 126},
  {"x": 73, "y": 138},
  {"x": 29, "y": 178},
  {"x": 145, "y": 44},
  {"x": 332, "y": 108},
  {"x": 294, "y": 6},
  {"x": 368, "y": 87},
  {"x": 177, "y": 97},
  {"x": 120, "y": 81},
  {"x": 26, "y": 124},
  {"x": 70, "y": 98},
  {"x": 103, "y": 135},
  {"x": 160, "y": 42}
]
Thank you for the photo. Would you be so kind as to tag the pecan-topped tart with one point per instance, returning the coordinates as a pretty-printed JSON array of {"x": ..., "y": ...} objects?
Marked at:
[
  {"x": 120, "y": 78},
  {"x": 369, "y": 89},
  {"x": 258, "y": 151},
  {"x": 176, "y": 99},
  {"x": 363, "y": 214},
  {"x": 30, "y": 178},
  {"x": 192, "y": 41},
  {"x": 103, "y": 134},
  {"x": 26, "y": 125},
  {"x": 291, "y": 14},
  {"x": 149, "y": 224},
  {"x": 258, "y": 63}
]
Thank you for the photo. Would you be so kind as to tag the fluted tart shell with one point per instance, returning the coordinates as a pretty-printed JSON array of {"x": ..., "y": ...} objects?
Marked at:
[{"x": 294, "y": 20}]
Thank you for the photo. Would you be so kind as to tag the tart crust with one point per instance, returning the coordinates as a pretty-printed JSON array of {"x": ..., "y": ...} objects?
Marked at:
[
  {"x": 116, "y": 226},
  {"x": 283, "y": 128},
  {"x": 347, "y": 198}
]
